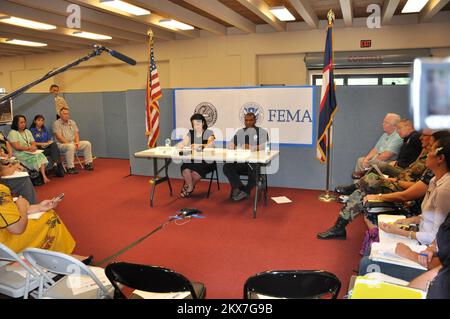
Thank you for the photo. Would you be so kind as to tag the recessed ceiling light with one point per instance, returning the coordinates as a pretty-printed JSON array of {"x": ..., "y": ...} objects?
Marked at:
[
  {"x": 26, "y": 23},
  {"x": 126, "y": 7},
  {"x": 174, "y": 24},
  {"x": 90, "y": 35},
  {"x": 282, "y": 13},
  {"x": 26, "y": 43},
  {"x": 413, "y": 6}
]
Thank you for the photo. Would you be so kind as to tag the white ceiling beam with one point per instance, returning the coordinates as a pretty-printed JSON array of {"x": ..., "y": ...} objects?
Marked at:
[
  {"x": 261, "y": 9},
  {"x": 33, "y": 10},
  {"x": 431, "y": 9},
  {"x": 139, "y": 24},
  {"x": 388, "y": 11},
  {"x": 224, "y": 13},
  {"x": 347, "y": 12},
  {"x": 305, "y": 10},
  {"x": 181, "y": 14}
]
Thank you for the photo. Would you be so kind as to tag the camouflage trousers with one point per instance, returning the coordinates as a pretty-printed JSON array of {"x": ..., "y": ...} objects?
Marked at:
[{"x": 371, "y": 183}]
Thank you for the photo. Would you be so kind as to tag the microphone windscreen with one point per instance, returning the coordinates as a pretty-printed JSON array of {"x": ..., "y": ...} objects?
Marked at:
[{"x": 122, "y": 57}]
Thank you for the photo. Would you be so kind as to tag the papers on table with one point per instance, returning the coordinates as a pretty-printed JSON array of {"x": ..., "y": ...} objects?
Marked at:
[
  {"x": 16, "y": 175},
  {"x": 281, "y": 200}
]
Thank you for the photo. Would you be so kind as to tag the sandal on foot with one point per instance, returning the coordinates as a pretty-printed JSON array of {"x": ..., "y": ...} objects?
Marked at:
[{"x": 185, "y": 193}]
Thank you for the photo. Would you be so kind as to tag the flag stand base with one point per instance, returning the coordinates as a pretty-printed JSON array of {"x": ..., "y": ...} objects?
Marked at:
[{"x": 327, "y": 197}]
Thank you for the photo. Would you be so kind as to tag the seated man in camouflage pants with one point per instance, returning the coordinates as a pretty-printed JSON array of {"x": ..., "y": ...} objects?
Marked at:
[{"x": 372, "y": 183}]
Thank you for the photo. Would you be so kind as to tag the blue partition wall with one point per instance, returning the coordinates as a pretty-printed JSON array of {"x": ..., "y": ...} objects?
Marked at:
[{"x": 115, "y": 123}]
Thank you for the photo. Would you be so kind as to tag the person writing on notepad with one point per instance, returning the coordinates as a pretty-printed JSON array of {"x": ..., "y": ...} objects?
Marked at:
[
  {"x": 436, "y": 204},
  {"x": 24, "y": 145},
  {"x": 434, "y": 259}
]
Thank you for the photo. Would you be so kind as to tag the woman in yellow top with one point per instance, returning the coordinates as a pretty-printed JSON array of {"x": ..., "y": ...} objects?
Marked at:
[{"x": 18, "y": 232}]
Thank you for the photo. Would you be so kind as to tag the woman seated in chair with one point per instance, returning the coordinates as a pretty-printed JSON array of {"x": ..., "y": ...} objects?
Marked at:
[
  {"x": 25, "y": 147},
  {"x": 435, "y": 205},
  {"x": 44, "y": 141},
  {"x": 198, "y": 138},
  {"x": 5, "y": 148},
  {"x": 19, "y": 185},
  {"x": 18, "y": 232}
]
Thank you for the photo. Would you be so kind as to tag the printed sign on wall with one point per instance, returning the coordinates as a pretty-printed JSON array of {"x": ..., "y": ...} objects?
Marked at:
[{"x": 287, "y": 113}]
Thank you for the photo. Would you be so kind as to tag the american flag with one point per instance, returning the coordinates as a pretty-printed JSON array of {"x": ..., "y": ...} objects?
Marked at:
[
  {"x": 328, "y": 104},
  {"x": 152, "y": 107}
]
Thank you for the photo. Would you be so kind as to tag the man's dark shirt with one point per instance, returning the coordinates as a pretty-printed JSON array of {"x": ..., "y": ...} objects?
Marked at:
[{"x": 410, "y": 150}]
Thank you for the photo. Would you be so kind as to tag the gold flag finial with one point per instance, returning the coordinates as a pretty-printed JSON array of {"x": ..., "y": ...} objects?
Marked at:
[
  {"x": 331, "y": 17},
  {"x": 150, "y": 35}
]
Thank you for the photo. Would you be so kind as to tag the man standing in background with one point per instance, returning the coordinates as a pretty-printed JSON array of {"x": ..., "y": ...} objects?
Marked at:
[{"x": 60, "y": 102}]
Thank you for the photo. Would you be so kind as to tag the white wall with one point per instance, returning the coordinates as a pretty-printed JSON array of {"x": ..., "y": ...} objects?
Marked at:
[{"x": 234, "y": 60}]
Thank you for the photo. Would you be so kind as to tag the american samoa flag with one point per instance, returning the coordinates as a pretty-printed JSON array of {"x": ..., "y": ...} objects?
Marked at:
[
  {"x": 328, "y": 105},
  {"x": 154, "y": 93}
]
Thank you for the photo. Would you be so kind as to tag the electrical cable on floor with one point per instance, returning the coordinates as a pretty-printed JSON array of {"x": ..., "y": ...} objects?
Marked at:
[{"x": 185, "y": 214}]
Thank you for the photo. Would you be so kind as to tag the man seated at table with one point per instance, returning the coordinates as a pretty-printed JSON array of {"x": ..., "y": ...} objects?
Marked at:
[{"x": 253, "y": 138}]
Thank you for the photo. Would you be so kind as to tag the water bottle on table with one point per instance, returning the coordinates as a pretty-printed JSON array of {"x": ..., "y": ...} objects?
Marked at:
[
  {"x": 267, "y": 148},
  {"x": 168, "y": 142}
]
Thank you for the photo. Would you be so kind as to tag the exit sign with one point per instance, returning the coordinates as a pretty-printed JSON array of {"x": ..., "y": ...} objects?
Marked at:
[{"x": 366, "y": 43}]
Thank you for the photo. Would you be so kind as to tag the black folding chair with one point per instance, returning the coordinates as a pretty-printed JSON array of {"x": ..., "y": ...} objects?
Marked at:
[
  {"x": 292, "y": 284},
  {"x": 150, "y": 279}
]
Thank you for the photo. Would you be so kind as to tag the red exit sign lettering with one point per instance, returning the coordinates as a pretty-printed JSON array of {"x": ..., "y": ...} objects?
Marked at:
[{"x": 366, "y": 43}]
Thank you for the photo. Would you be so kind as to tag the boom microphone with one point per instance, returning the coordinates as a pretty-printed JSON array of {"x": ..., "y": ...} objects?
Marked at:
[
  {"x": 122, "y": 57},
  {"x": 116, "y": 54}
]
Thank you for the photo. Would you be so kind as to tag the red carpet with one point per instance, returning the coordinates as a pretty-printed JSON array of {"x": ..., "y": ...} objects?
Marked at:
[{"x": 105, "y": 212}]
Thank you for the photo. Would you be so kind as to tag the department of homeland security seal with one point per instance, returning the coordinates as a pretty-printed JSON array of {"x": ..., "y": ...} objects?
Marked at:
[
  {"x": 209, "y": 111},
  {"x": 252, "y": 107}
]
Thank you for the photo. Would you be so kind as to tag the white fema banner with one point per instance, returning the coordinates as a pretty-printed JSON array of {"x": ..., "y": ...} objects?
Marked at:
[{"x": 287, "y": 113}]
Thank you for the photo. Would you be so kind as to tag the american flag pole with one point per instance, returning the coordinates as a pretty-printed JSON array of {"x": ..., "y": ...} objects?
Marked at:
[{"x": 327, "y": 197}]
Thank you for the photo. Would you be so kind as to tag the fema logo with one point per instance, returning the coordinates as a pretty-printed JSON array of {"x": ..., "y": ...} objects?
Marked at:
[
  {"x": 209, "y": 111},
  {"x": 252, "y": 107}
]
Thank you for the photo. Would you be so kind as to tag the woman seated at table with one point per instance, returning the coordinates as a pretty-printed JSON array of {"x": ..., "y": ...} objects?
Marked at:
[
  {"x": 25, "y": 147},
  {"x": 197, "y": 138},
  {"x": 18, "y": 232},
  {"x": 44, "y": 141}
]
